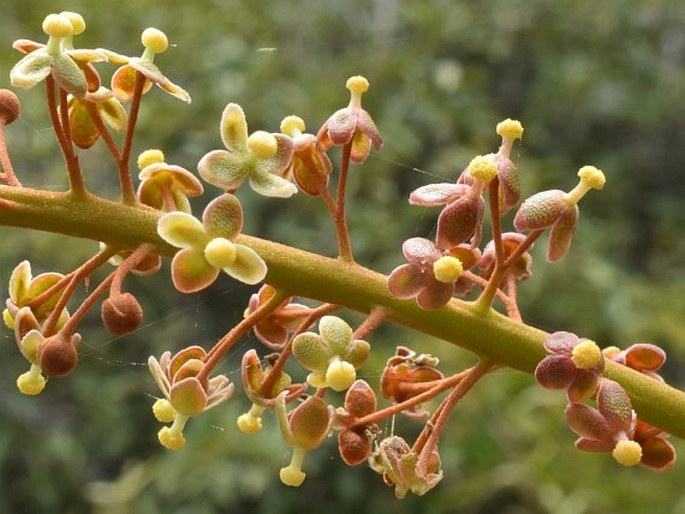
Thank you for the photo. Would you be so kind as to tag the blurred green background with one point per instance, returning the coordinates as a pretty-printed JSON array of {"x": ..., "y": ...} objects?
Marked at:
[{"x": 592, "y": 82}]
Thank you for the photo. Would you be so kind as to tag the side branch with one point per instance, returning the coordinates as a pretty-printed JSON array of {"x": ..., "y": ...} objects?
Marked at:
[{"x": 490, "y": 335}]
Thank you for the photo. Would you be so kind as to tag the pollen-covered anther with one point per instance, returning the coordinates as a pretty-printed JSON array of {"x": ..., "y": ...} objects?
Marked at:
[
  {"x": 77, "y": 22},
  {"x": 148, "y": 157},
  {"x": 292, "y": 126},
  {"x": 220, "y": 252},
  {"x": 262, "y": 144},
  {"x": 357, "y": 84},
  {"x": 163, "y": 411},
  {"x": 447, "y": 269},
  {"x": 592, "y": 177},
  {"x": 32, "y": 382},
  {"x": 510, "y": 129},
  {"x": 586, "y": 355},
  {"x": 340, "y": 374},
  {"x": 154, "y": 40},
  {"x": 57, "y": 25},
  {"x": 171, "y": 440},
  {"x": 251, "y": 421},
  {"x": 627, "y": 453},
  {"x": 483, "y": 168}
]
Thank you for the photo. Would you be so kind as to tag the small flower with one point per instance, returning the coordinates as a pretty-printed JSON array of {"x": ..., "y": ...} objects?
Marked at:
[
  {"x": 462, "y": 216},
  {"x": 273, "y": 331},
  {"x": 574, "y": 364},
  {"x": 407, "y": 375},
  {"x": 522, "y": 269},
  {"x": 608, "y": 428},
  {"x": 310, "y": 167},
  {"x": 70, "y": 68},
  {"x": 124, "y": 79},
  {"x": 262, "y": 158},
  {"x": 207, "y": 246},
  {"x": 332, "y": 356},
  {"x": 254, "y": 376},
  {"x": 559, "y": 211},
  {"x": 354, "y": 444},
  {"x": 395, "y": 460},
  {"x": 432, "y": 275},
  {"x": 177, "y": 378},
  {"x": 163, "y": 186},
  {"x": 643, "y": 357},
  {"x": 351, "y": 124},
  {"x": 24, "y": 289},
  {"x": 84, "y": 132},
  {"x": 304, "y": 428}
]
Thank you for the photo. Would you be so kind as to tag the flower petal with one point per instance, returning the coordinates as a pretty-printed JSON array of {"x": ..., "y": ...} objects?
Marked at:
[
  {"x": 561, "y": 234},
  {"x": 407, "y": 281},
  {"x": 248, "y": 266},
  {"x": 84, "y": 133},
  {"x": 340, "y": 126},
  {"x": 19, "y": 282},
  {"x": 182, "y": 230},
  {"x": 615, "y": 405},
  {"x": 267, "y": 184},
  {"x": 657, "y": 453},
  {"x": 233, "y": 128},
  {"x": 588, "y": 422},
  {"x": 438, "y": 194},
  {"x": 336, "y": 333},
  {"x": 188, "y": 397},
  {"x": 555, "y": 372},
  {"x": 561, "y": 342},
  {"x": 123, "y": 83},
  {"x": 644, "y": 356},
  {"x": 459, "y": 221},
  {"x": 223, "y": 169},
  {"x": 191, "y": 272},
  {"x": 310, "y": 351},
  {"x": 31, "y": 69},
  {"x": 223, "y": 217},
  {"x": 435, "y": 296},
  {"x": 69, "y": 76},
  {"x": 361, "y": 146}
]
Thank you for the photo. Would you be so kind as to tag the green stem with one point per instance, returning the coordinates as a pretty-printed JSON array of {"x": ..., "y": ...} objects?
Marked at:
[{"x": 488, "y": 334}]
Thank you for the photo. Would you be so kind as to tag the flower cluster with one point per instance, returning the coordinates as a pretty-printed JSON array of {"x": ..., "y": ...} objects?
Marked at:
[{"x": 576, "y": 364}]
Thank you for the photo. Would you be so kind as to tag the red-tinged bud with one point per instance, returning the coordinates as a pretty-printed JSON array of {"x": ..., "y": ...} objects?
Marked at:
[
  {"x": 10, "y": 108},
  {"x": 355, "y": 447},
  {"x": 57, "y": 354},
  {"x": 121, "y": 314}
]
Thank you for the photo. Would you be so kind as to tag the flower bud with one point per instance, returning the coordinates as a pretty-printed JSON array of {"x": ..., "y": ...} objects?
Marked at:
[
  {"x": 9, "y": 106},
  {"x": 355, "y": 447},
  {"x": 57, "y": 354},
  {"x": 121, "y": 314}
]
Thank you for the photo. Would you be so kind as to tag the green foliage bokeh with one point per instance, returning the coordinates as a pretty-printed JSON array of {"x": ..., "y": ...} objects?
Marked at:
[{"x": 592, "y": 82}]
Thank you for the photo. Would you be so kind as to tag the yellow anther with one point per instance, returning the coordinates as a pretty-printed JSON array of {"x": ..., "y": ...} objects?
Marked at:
[
  {"x": 592, "y": 177},
  {"x": 171, "y": 440},
  {"x": 32, "y": 382},
  {"x": 77, "y": 22},
  {"x": 262, "y": 144},
  {"x": 150, "y": 157},
  {"x": 586, "y": 354},
  {"x": 483, "y": 168},
  {"x": 220, "y": 252},
  {"x": 357, "y": 84},
  {"x": 56, "y": 25},
  {"x": 340, "y": 374},
  {"x": 154, "y": 40},
  {"x": 292, "y": 126},
  {"x": 510, "y": 129},
  {"x": 627, "y": 453},
  {"x": 447, "y": 269},
  {"x": 163, "y": 411},
  {"x": 251, "y": 421}
]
